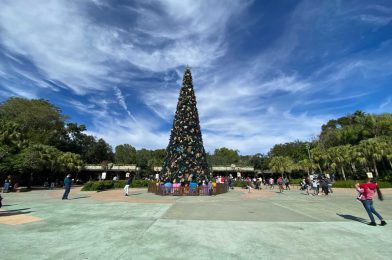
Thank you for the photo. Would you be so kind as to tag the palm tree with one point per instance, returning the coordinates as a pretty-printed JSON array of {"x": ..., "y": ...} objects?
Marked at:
[
  {"x": 305, "y": 165},
  {"x": 338, "y": 157},
  {"x": 70, "y": 162},
  {"x": 281, "y": 164},
  {"x": 319, "y": 157},
  {"x": 385, "y": 145},
  {"x": 370, "y": 151}
]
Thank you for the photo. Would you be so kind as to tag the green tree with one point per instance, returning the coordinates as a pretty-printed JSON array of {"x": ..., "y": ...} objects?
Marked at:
[
  {"x": 70, "y": 163},
  {"x": 125, "y": 154},
  {"x": 225, "y": 156},
  {"x": 370, "y": 152},
  {"x": 259, "y": 161},
  {"x": 305, "y": 165},
  {"x": 338, "y": 157},
  {"x": 99, "y": 151},
  {"x": 142, "y": 158},
  {"x": 281, "y": 164},
  {"x": 37, "y": 119},
  {"x": 295, "y": 150}
]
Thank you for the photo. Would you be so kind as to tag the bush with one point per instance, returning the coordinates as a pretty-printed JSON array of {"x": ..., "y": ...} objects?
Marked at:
[
  {"x": 98, "y": 185},
  {"x": 105, "y": 185},
  {"x": 241, "y": 184},
  {"x": 139, "y": 183},
  {"x": 295, "y": 181}
]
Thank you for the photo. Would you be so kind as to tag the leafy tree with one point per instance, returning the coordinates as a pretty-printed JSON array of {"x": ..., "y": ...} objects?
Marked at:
[
  {"x": 125, "y": 154},
  {"x": 142, "y": 158},
  {"x": 225, "y": 156},
  {"x": 99, "y": 151},
  {"x": 353, "y": 128},
  {"x": 295, "y": 150},
  {"x": 37, "y": 119},
  {"x": 259, "y": 161}
]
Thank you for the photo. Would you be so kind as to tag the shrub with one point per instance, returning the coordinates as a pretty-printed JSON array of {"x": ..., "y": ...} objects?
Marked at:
[
  {"x": 241, "y": 184},
  {"x": 98, "y": 185},
  {"x": 139, "y": 183}
]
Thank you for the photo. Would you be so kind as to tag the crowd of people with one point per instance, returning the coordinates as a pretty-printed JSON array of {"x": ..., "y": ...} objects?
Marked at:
[
  {"x": 191, "y": 186},
  {"x": 317, "y": 184}
]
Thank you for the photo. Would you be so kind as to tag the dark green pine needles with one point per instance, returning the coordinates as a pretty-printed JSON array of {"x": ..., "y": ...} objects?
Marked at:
[{"x": 185, "y": 155}]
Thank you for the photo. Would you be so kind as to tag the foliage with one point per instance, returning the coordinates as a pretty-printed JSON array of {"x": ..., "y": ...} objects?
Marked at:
[
  {"x": 99, "y": 151},
  {"x": 37, "y": 119},
  {"x": 225, "y": 156},
  {"x": 259, "y": 161},
  {"x": 240, "y": 183},
  {"x": 125, "y": 154},
  {"x": 281, "y": 164},
  {"x": 354, "y": 128},
  {"x": 297, "y": 150},
  {"x": 34, "y": 138}
]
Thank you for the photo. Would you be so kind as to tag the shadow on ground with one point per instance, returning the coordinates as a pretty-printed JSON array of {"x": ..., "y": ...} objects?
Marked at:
[
  {"x": 354, "y": 218},
  {"x": 14, "y": 212}
]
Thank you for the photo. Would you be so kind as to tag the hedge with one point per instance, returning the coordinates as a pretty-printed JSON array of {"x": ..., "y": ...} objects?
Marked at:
[{"x": 106, "y": 185}]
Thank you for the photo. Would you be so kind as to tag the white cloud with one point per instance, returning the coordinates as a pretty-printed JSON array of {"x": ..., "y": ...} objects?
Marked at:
[
  {"x": 121, "y": 100},
  {"x": 376, "y": 20},
  {"x": 248, "y": 104}
]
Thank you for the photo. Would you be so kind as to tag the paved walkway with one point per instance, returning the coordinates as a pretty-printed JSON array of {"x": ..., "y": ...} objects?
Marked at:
[{"x": 237, "y": 225}]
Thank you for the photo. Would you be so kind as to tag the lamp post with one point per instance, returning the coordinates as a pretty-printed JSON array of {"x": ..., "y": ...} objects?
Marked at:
[{"x": 310, "y": 158}]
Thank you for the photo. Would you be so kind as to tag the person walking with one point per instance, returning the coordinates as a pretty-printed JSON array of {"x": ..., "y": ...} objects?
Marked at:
[
  {"x": 287, "y": 183},
  {"x": 67, "y": 186},
  {"x": 324, "y": 186},
  {"x": 271, "y": 183},
  {"x": 126, "y": 188},
  {"x": 366, "y": 194},
  {"x": 280, "y": 184}
]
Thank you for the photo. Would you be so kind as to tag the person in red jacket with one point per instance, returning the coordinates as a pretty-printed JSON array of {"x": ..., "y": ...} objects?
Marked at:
[{"x": 366, "y": 195}]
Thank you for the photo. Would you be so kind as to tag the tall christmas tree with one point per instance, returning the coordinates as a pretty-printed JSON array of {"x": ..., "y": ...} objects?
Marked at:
[{"x": 185, "y": 155}]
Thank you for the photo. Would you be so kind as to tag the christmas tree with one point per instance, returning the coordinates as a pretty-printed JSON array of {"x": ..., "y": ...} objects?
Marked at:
[{"x": 185, "y": 155}]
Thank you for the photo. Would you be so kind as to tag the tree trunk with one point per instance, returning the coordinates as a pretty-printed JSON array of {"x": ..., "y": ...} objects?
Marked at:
[
  {"x": 375, "y": 167},
  {"x": 344, "y": 175},
  {"x": 320, "y": 168}
]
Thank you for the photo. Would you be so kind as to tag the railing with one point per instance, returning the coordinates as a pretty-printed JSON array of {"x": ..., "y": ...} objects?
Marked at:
[{"x": 161, "y": 189}]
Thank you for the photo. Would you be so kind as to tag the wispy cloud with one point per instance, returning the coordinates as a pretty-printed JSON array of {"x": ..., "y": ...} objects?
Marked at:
[
  {"x": 376, "y": 20},
  {"x": 262, "y": 74},
  {"x": 121, "y": 100}
]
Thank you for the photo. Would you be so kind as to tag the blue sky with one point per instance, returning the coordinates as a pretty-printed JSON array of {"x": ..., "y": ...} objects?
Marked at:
[{"x": 264, "y": 72}]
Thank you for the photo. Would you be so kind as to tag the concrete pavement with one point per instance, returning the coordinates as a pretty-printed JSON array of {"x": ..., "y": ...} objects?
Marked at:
[{"x": 237, "y": 225}]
